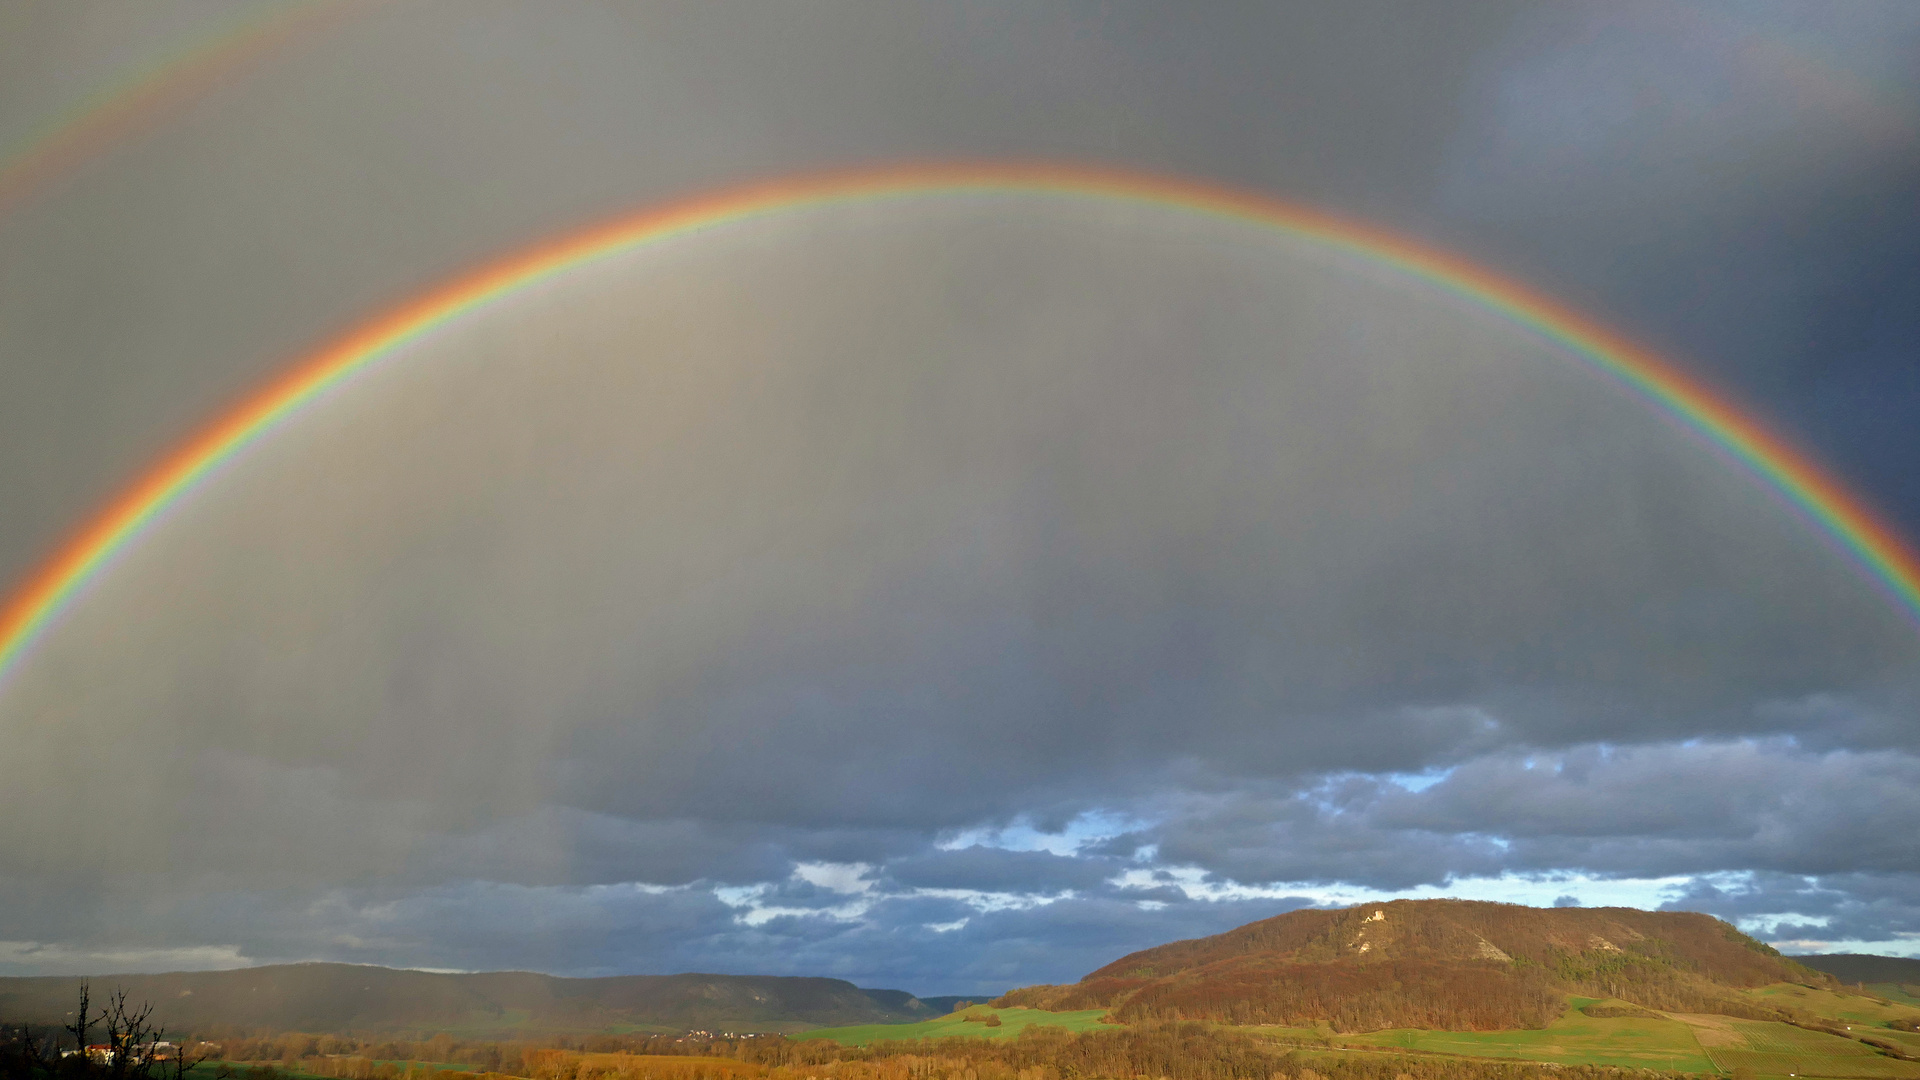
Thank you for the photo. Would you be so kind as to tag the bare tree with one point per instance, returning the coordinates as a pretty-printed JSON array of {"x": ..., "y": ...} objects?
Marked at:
[
  {"x": 131, "y": 1050},
  {"x": 130, "y": 1038},
  {"x": 83, "y": 1021}
]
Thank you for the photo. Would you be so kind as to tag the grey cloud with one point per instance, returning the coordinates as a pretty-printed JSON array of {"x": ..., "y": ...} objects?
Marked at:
[
  {"x": 997, "y": 870},
  {"x": 404, "y": 143},
  {"x": 1666, "y": 809},
  {"x": 1115, "y": 497},
  {"x": 590, "y": 930},
  {"x": 1738, "y": 181},
  {"x": 1251, "y": 838},
  {"x": 1765, "y": 805},
  {"x": 1061, "y": 942},
  {"x": 1827, "y": 913},
  {"x": 820, "y": 539}
]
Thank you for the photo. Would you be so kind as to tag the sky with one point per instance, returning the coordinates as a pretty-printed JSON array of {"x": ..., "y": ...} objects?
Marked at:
[{"x": 951, "y": 591}]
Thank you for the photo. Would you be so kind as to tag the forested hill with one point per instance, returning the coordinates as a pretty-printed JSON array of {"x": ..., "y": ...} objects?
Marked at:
[
  {"x": 1860, "y": 968},
  {"x": 342, "y": 998},
  {"x": 1452, "y": 964}
]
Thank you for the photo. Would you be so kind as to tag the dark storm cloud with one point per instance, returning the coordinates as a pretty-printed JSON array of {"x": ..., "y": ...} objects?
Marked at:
[
  {"x": 770, "y": 601},
  {"x": 1615, "y": 811},
  {"x": 1299, "y": 837},
  {"x": 592, "y": 930},
  {"x": 738, "y": 610},
  {"x": 1739, "y": 182},
  {"x": 1111, "y": 503},
  {"x": 408, "y": 141},
  {"x": 1670, "y": 809}
]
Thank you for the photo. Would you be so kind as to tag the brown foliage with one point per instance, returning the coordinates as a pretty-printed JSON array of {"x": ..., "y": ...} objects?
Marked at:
[
  {"x": 1457, "y": 929},
  {"x": 1284, "y": 934},
  {"x": 1092, "y": 992},
  {"x": 1452, "y": 964},
  {"x": 574, "y": 1065},
  {"x": 1352, "y": 997}
]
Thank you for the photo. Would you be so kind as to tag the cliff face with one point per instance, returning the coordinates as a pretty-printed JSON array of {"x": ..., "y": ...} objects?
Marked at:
[{"x": 1452, "y": 964}]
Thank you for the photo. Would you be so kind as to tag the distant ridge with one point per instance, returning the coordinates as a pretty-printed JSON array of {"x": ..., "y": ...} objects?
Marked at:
[
  {"x": 1862, "y": 968},
  {"x": 944, "y": 1005},
  {"x": 340, "y": 998},
  {"x": 1445, "y": 964}
]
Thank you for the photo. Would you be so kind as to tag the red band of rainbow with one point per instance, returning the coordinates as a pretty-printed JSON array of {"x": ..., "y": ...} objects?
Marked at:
[{"x": 1840, "y": 515}]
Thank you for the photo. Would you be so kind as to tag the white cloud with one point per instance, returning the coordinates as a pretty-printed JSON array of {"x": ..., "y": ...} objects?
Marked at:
[
  {"x": 984, "y": 901},
  {"x": 1907, "y": 945},
  {"x": 850, "y": 878},
  {"x": 1538, "y": 891},
  {"x": 47, "y": 958}
]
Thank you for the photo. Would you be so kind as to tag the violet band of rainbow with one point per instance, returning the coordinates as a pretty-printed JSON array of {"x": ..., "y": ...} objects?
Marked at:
[{"x": 1842, "y": 517}]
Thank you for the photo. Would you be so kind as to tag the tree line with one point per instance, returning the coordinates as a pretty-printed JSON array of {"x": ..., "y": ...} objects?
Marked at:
[{"x": 118, "y": 1041}]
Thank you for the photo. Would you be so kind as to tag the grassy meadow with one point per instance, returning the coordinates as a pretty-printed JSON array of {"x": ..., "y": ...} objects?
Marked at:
[
  {"x": 1012, "y": 1022},
  {"x": 1770, "y": 1049},
  {"x": 1899, "y": 993},
  {"x": 1677, "y": 1042},
  {"x": 1573, "y": 1039},
  {"x": 1845, "y": 1008}
]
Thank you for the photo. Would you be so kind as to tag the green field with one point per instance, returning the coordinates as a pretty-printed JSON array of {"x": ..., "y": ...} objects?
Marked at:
[
  {"x": 1689, "y": 1043},
  {"x": 1574, "y": 1039},
  {"x": 1293, "y": 1036},
  {"x": 1695, "y": 1044},
  {"x": 209, "y": 1070},
  {"x": 1908, "y": 1039},
  {"x": 1901, "y": 993},
  {"x": 1012, "y": 1022},
  {"x": 1780, "y": 1050},
  {"x": 1847, "y": 1008}
]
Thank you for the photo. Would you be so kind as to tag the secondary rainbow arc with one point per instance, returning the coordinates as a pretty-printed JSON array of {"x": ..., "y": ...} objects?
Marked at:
[
  {"x": 97, "y": 123},
  {"x": 1837, "y": 512}
]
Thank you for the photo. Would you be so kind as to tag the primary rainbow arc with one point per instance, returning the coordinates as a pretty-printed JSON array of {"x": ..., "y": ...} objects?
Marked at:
[{"x": 1843, "y": 517}]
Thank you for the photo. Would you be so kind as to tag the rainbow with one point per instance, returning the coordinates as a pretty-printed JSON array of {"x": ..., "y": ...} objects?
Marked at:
[
  {"x": 1840, "y": 515},
  {"x": 68, "y": 140}
]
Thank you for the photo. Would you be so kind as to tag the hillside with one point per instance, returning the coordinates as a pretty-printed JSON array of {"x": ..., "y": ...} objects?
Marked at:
[
  {"x": 1858, "y": 968},
  {"x": 349, "y": 997},
  {"x": 1438, "y": 964}
]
